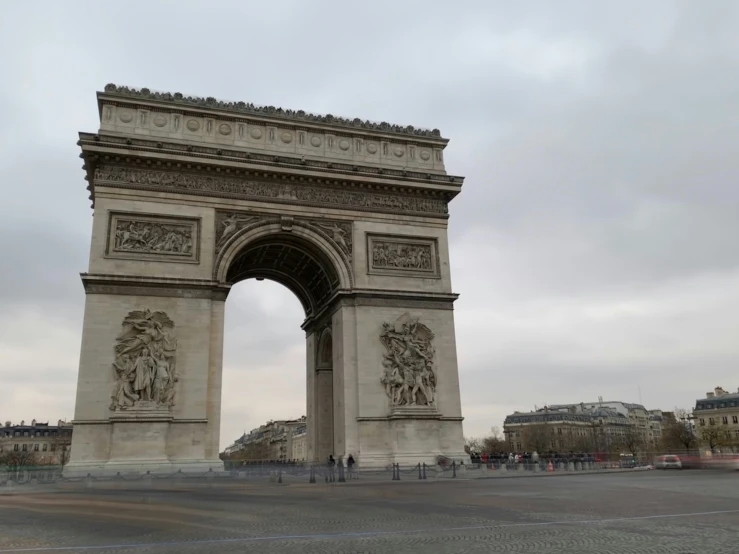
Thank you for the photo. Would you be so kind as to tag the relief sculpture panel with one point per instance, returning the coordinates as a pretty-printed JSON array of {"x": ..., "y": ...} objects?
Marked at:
[
  {"x": 396, "y": 255},
  {"x": 408, "y": 363},
  {"x": 153, "y": 237},
  {"x": 144, "y": 366}
]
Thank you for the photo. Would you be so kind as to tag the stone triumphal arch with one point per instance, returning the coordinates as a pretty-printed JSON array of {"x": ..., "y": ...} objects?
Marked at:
[{"x": 191, "y": 195}]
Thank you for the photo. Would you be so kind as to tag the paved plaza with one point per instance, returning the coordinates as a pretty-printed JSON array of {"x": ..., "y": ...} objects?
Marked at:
[{"x": 620, "y": 513}]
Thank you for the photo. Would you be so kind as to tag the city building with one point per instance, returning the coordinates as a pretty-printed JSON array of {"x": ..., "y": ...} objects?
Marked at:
[
  {"x": 37, "y": 443},
  {"x": 576, "y": 427},
  {"x": 601, "y": 425},
  {"x": 716, "y": 419},
  {"x": 297, "y": 444},
  {"x": 284, "y": 439}
]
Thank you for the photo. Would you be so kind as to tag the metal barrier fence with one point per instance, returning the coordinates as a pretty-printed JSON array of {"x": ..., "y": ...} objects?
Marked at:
[{"x": 21, "y": 477}]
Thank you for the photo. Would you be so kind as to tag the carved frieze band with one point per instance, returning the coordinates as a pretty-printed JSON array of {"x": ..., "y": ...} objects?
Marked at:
[
  {"x": 230, "y": 225},
  {"x": 402, "y": 256},
  {"x": 153, "y": 237},
  {"x": 190, "y": 183}
]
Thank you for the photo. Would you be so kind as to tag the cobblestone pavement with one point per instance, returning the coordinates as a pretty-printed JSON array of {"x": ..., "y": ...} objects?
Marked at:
[{"x": 648, "y": 512}]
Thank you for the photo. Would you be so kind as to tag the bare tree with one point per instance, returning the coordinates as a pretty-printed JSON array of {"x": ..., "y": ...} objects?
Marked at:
[
  {"x": 678, "y": 432},
  {"x": 537, "y": 437},
  {"x": 632, "y": 439},
  {"x": 472, "y": 445},
  {"x": 17, "y": 460},
  {"x": 711, "y": 436},
  {"x": 61, "y": 448},
  {"x": 255, "y": 451}
]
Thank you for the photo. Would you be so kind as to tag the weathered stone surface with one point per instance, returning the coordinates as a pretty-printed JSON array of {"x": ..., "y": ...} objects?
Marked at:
[{"x": 171, "y": 239}]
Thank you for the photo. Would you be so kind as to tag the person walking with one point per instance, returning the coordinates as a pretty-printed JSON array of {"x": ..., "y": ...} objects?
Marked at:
[
  {"x": 331, "y": 466},
  {"x": 350, "y": 466}
]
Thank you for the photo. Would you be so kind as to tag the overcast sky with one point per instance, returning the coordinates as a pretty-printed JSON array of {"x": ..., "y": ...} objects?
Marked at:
[{"x": 595, "y": 244}]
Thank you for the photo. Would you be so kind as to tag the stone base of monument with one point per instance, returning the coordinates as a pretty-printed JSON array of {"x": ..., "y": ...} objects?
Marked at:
[{"x": 417, "y": 434}]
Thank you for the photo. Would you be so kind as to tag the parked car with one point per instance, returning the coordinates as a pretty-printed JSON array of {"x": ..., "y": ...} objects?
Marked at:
[{"x": 668, "y": 461}]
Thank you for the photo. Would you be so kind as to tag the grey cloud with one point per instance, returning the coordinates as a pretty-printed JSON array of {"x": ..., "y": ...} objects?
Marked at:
[{"x": 597, "y": 146}]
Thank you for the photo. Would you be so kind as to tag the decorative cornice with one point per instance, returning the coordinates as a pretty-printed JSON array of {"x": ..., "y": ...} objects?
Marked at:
[
  {"x": 381, "y": 299},
  {"x": 282, "y": 160},
  {"x": 154, "y": 286},
  {"x": 299, "y": 194},
  {"x": 268, "y": 111}
]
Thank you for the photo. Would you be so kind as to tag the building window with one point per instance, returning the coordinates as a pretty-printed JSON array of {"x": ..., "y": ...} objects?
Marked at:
[
  {"x": 46, "y": 447},
  {"x": 25, "y": 448},
  {"x": 703, "y": 421},
  {"x": 15, "y": 448},
  {"x": 518, "y": 446},
  {"x": 725, "y": 420},
  {"x": 734, "y": 419},
  {"x": 518, "y": 434},
  {"x": 711, "y": 421},
  {"x": 53, "y": 447},
  {"x": 35, "y": 447}
]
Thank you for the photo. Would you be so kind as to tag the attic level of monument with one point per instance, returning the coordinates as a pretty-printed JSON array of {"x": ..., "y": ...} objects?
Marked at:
[{"x": 147, "y": 96}]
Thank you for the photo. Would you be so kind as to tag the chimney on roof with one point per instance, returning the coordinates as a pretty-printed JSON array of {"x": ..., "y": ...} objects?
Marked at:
[
  {"x": 709, "y": 395},
  {"x": 33, "y": 422},
  {"x": 719, "y": 391},
  {"x": 60, "y": 423},
  {"x": 23, "y": 422}
]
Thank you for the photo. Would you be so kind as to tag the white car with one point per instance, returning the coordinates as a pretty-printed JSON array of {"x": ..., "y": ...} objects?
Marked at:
[{"x": 668, "y": 461}]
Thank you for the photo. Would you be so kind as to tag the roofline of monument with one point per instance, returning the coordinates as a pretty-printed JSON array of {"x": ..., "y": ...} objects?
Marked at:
[{"x": 245, "y": 109}]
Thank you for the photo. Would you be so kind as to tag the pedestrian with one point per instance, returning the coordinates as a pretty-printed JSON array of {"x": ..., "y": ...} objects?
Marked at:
[
  {"x": 350, "y": 466},
  {"x": 331, "y": 465}
]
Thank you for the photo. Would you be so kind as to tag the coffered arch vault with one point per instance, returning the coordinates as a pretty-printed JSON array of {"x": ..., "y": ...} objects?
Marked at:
[{"x": 299, "y": 258}]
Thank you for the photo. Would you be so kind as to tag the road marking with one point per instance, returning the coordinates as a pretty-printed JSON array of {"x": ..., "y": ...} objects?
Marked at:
[{"x": 358, "y": 534}]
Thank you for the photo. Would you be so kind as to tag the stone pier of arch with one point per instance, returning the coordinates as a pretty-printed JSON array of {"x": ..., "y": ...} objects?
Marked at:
[{"x": 191, "y": 196}]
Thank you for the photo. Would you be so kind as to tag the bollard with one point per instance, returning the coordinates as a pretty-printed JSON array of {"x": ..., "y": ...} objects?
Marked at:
[
  {"x": 312, "y": 478},
  {"x": 454, "y": 470},
  {"x": 424, "y": 471},
  {"x": 279, "y": 475},
  {"x": 537, "y": 467},
  {"x": 570, "y": 466},
  {"x": 519, "y": 467},
  {"x": 419, "y": 470},
  {"x": 578, "y": 466},
  {"x": 503, "y": 468},
  {"x": 560, "y": 466}
]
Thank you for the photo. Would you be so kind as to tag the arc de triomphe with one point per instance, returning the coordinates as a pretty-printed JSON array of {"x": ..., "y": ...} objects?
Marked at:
[{"x": 191, "y": 195}]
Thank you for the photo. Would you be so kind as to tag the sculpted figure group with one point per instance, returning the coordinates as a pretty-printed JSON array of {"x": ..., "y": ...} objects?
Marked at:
[
  {"x": 408, "y": 362},
  {"x": 149, "y": 237},
  {"x": 144, "y": 363},
  {"x": 401, "y": 256}
]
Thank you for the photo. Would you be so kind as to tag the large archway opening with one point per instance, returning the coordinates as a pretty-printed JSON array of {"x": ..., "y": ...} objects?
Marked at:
[{"x": 276, "y": 367}]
